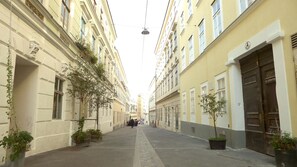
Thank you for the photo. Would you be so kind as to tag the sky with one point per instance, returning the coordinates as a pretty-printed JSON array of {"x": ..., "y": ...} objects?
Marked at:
[{"x": 137, "y": 50}]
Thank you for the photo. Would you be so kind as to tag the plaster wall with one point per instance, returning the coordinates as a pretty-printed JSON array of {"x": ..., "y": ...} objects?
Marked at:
[{"x": 212, "y": 62}]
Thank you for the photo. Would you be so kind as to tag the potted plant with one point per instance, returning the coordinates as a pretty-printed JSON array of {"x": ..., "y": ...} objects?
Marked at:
[
  {"x": 17, "y": 142},
  {"x": 86, "y": 52},
  {"x": 80, "y": 137},
  {"x": 96, "y": 135},
  {"x": 214, "y": 107},
  {"x": 285, "y": 149}
]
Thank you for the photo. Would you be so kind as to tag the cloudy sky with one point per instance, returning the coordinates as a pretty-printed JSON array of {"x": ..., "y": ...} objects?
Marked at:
[{"x": 135, "y": 49}]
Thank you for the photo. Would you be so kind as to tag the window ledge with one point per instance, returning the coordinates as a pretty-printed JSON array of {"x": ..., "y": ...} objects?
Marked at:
[
  {"x": 190, "y": 18},
  {"x": 183, "y": 30},
  {"x": 197, "y": 4}
]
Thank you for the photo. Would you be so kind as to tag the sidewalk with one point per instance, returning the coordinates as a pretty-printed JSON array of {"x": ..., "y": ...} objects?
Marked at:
[{"x": 144, "y": 146}]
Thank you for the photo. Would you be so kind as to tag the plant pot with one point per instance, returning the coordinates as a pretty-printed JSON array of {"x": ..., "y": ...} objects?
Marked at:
[
  {"x": 95, "y": 138},
  {"x": 217, "y": 144},
  {"x": 286, "y": 158},
  {"x": 85, "y": 143},
  {"x": 19, "y": 162}
]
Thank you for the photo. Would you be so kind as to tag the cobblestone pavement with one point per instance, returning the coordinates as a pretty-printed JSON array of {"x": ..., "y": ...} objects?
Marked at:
[
  {"x": 145, "y": 155},
  {"x": 145, "y": 146}
]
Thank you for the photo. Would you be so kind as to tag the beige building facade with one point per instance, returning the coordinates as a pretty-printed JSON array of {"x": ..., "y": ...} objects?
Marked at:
[
  {"x": 122, "y": 98},
  {"x": 41, "y": 36},
  {"x": 152, "y": 103},
  {"x": 244, "y": 51},
  {"x": 167, "y": 72}
]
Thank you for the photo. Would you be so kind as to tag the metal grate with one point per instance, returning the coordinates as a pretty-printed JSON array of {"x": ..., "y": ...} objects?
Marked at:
[{"x": 294, "y": 40}]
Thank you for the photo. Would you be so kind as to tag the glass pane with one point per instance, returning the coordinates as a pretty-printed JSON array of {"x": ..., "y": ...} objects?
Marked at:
[
  {"x": 60, "y": 85},
  {"x": 56, "y": 84},
  {"x": 67, "y": 3},
  {"x": 55, "y": 106},
  {"x": 59, "y": 106}
]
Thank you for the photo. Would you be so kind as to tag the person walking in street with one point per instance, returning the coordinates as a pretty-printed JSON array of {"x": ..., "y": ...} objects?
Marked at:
[{"x": 131, "y": 123}]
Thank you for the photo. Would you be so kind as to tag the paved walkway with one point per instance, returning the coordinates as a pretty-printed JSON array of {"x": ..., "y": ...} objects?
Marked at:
[{"x": 144, "y": 146}]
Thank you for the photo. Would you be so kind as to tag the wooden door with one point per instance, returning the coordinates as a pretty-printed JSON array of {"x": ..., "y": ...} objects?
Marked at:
[{"x": 259, "y": 96}]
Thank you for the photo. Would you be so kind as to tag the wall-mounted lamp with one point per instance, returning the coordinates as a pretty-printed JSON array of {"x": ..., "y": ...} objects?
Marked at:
[
  {"x": 34, "y": 48},
  {"x": 145, "y": 31},
  {"x": 64, "y": 67}
]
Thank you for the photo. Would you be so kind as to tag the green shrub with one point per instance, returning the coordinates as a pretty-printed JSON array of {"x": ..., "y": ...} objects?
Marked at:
[
  {"x": 95, "y": 134},
  {"x": 79, "y": 137},
  {"x": 283, "y": 141}
]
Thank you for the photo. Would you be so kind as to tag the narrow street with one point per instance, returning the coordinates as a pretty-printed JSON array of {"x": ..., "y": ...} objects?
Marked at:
[{"x": 145, "y": 146}]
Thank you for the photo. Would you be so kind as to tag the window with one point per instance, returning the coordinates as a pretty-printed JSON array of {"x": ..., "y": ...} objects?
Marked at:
[
  {"x": 184, "y": 103},
  {"x": 192, "y": 105},
  {"x": 183, "y": 65},
  {"x": 170, "y": 48},
  {"x": 82, "y": 28},
  {"x": 190, "y": 8},
  {"x": 171, "y": 79},
  {"x": 201, "y": 36},
  {"x": 221, "y": 88},
  {"x": 65, "y": 10},
  {"x": 166, "y": 114},
  {"x": 165, "y": 56},
  {"x": 162, "y": 86},
  {"x": 165, "y": 86},
  {"x": 58, "y": 99},
  {"x": 90, "y": 108},
  {"x": 175, "y": 40},
  {"x": 99, "y": 52},
  {"x": 176, "y": 75},
  {"x": 244, "y": 4},
  {"x": 182, "y": 25},
  {"x": 168, "y": 77},
  {"x": 204, "y": 116},
  {"x": 93, "y": 43},
  {"x": 161, "y": 114},
  {"x": 217, "y": 18},
  {"x": 191, "y": 49}
]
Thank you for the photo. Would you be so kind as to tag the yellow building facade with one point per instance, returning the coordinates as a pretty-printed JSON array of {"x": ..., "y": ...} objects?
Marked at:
[
  {"x": 41, "y": 36},
  {"x": 243, "y": 50}
]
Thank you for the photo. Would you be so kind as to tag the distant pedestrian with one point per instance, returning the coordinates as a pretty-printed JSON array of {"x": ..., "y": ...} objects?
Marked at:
[{"x": 131, "y": 122}]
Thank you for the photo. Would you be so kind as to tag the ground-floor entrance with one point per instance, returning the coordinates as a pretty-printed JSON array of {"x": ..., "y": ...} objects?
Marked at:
[{"x": 259, "y": 96}]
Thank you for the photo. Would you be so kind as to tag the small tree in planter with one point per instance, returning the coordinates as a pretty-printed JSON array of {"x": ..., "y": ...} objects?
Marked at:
[
  {"x": 82, "y": 86},
  {"x": 104, "y": 91},
  {"x": 214, "y": 108},
  {"x": 285, "y": 148}
]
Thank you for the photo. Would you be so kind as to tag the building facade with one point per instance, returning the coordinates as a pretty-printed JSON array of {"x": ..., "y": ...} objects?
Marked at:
[
  {"x": 167, "y": 71},
  {"x": 40, "y": 36},
  {"x": 122, "y": 95},
  {"x": 152, "y": 103},
  {"x": 244, "y": 51},
  {"x": 133, "y": 109},
  {"x": 139, "y": 107}
]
